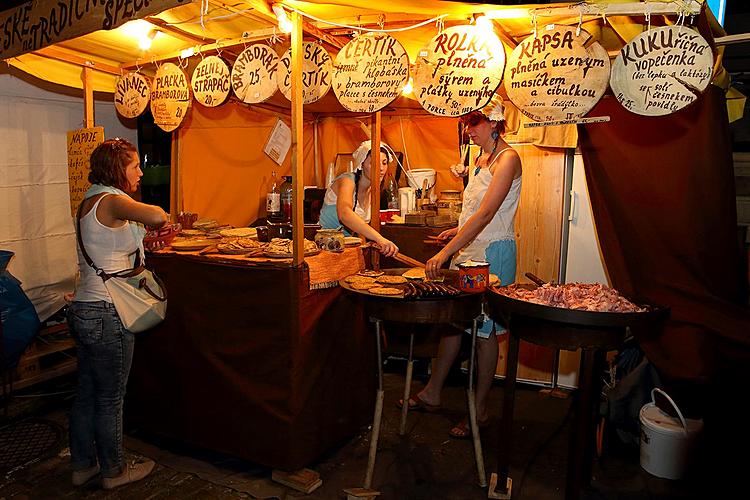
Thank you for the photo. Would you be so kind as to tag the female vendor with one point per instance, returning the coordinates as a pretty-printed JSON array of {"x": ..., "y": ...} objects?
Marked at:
[
  {"x": 347, "y": 200},
  {"x": 484, "y": 233}
]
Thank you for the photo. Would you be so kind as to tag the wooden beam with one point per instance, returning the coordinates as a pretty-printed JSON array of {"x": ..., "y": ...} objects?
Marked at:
[
  {"x": 177, "y": 32},
  {"x": 298, "y": 182},
  {"x": 614, "y": 9},
  {"x": 375, "y": 134},
  {"x": 307, "y": 27},
  {"x": 216, "y": 46},
  {"x": 88, "y": 98},
  {"x": 65, "y": 56},
  {"x": 732, "y": 39}
]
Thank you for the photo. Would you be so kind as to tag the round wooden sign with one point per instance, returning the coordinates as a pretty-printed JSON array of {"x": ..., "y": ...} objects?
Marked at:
[
  {"x": 132, "y": 93},
  {"x": 316, "y": 73},
  {"x": 170, "y": 97},
  {"x": 369, "y": 72},
  {"x": 254, "y": 74},
  {"x": 557, "y": 75},
  {"x": 662, "y": 70},
  {"x": 458, "y": 71},
  {"x": 210, "y": 81}
]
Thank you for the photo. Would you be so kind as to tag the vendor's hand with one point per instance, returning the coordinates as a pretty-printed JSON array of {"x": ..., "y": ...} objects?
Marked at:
[
  {"x": 447, "y": 234},
  {"x": 433, "y": 266},
  {"x": 155, "y": 246},
  {"x": 387, "y": 248},
  {"x": 459, "y": 170}
]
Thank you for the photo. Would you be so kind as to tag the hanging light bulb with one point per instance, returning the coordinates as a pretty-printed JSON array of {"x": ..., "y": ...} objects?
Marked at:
[
  {"x": 144, "y": 42},
  {"x": 285, "y": 24},
  {"x": 408, "y": 88},
  {"x": 484, "y": 24}
]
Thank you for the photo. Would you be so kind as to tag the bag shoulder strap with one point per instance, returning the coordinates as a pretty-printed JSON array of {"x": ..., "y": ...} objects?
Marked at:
[{"x": 138, "y": 266}]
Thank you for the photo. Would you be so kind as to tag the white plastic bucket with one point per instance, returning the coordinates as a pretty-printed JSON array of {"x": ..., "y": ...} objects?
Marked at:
[
  {"x": 416, "y": 177},
  {"x": 666, "y": 441}
]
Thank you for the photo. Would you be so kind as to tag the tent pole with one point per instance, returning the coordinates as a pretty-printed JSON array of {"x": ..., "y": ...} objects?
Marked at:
[
  {"x": 88, "y": 98},
  {"x": 375, "y": 124},
  {"x": 298, "y": 225}
]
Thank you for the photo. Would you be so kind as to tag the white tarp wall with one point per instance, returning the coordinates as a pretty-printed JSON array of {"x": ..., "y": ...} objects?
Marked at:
[{"x": 35, "y": 220}]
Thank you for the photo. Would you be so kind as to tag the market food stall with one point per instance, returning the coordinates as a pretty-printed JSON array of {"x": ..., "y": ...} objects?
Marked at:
[{"x": 226, "y": 146}]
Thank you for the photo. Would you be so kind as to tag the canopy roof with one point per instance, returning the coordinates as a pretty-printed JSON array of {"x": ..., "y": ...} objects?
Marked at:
[{"x": 225, "y": 26}]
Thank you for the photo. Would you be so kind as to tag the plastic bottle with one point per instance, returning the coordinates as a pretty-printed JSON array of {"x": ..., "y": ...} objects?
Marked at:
[
  {"x": 330, "y": 175},
  {"x": 286, "y": 198},
  {"x": 273, "y": 200},
  {"x": 392, "y": 190}
]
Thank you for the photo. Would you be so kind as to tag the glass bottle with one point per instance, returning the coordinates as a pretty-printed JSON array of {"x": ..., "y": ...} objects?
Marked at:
[
  {"x": 392, "y": 190},
  {"x": 273, "y": 200},
  {"x": 286, "y": 199}
]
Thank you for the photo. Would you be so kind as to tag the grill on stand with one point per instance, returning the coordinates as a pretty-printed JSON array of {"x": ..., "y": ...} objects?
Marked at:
[{"x": 592, "y": 332}]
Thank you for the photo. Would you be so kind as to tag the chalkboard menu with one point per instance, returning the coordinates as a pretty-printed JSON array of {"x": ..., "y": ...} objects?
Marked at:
[
  {"x": 170, "y": 97},
  {"x": 254, "y": 74},
  {"x": 210, "y": 81},
  {"x": 316, "y": 73},
  {"x": 369, "y": 72},
  {"x": 81, "y": 143},
  {"x": 132, "y": 93},
  {"x": 662, "y": 70},
  {"x": 458, "y": 71},
  {"x": 557, "y": 74}
]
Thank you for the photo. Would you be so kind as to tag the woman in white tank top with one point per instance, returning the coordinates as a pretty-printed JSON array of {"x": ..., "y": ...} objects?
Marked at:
[
  {"x": 112, "y": 230},
  {"x": 484, "y": 233}
]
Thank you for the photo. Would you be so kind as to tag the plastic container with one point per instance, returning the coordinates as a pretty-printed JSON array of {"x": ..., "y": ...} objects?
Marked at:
[
  {"x": 666, "y": 441},
  {"x": 330, "y": 239},
  {"x": 416, "y": 177},
  {"x": 473, "y": 276},
  {"x": 387, "y": 215}
]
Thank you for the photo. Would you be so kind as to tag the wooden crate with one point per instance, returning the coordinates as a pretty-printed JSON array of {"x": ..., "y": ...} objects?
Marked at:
[{"x": 50, "y": 355}]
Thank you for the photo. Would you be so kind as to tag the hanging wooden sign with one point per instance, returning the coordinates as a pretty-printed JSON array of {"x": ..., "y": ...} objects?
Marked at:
[
  {"x": 458, "y": 71},
  {"x": 557, "y": 74},
  {"x": 254, "y": 74},
  {"x": 316, "y": 73},
  {"x": 210, "y": 81},
  {"x": 369, "y": 72},
  {"x": 170, "y": 97},
  {"x": 81, "y": 143},
  {"x": 34, "y": 24},
  {"x": 132, "y": 93},
  {"x": 662, "y": 70}
]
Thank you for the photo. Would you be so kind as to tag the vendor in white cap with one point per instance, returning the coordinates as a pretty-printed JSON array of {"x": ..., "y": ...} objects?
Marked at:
[
  {"x": 347, "y": 200},
  {"x": 484, "y": 233}
]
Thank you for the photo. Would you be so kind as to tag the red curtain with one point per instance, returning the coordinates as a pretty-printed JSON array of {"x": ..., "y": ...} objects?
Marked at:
[{"x": 663, "y": 198}]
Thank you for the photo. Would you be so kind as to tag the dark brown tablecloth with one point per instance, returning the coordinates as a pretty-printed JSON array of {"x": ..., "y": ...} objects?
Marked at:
[{"x": 251, "y": 363}]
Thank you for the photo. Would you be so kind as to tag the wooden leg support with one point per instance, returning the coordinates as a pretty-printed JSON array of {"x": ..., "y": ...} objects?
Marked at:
[
  {"x": 357, "y": 493},
  {"x": 502, "y": 495}
]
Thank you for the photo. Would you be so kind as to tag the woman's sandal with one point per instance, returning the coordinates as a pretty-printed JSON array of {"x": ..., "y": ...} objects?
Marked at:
[
  {"x": 462, "y": 430},
  {"x": 418, "y": 404}
]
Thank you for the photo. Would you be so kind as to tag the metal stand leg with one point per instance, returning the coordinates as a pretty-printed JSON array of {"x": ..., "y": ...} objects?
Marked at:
[
  {"x": 378, "y": 412},
  {"x": 473, "y": 409},
  {"x": 502, "y": 479},
  {"x": 407, "y": 386}
]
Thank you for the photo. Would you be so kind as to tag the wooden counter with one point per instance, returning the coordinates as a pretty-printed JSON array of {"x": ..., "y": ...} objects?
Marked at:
[
  {"x": 252, "y": 363},
  {"x": 409, "y": 240}
]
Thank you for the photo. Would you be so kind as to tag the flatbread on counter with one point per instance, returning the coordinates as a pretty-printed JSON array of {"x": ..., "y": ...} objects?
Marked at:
[
  {"x": 364, "y": 285},
  {"x": 391, "y": 280},
  {"x": 415, "y": 273},
  {"x": 357, "y": 277},
  {"x": 370, "y": 273},
  {"x": 384, "y": 290}
]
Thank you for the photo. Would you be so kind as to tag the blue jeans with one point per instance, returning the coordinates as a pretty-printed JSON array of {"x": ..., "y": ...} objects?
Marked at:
[{"x": 105, "y": 352}]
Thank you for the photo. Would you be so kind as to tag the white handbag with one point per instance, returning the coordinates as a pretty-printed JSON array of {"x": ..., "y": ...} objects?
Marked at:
[{"x": 138, "y": 294}]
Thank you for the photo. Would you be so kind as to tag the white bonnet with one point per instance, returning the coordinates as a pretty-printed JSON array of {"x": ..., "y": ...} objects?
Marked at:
[
  {"x": 494, "y": 110},
  {"x": 360, "y": 154}
]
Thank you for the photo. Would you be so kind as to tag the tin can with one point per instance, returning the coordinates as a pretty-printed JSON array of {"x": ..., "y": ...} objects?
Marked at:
[{"x": 473, "y": 276}]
